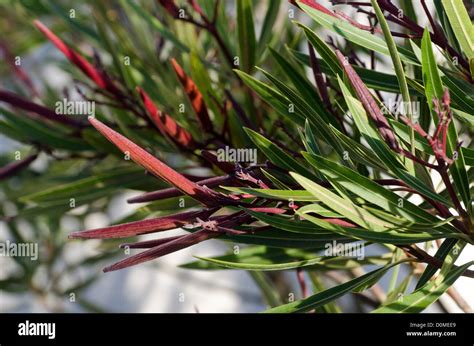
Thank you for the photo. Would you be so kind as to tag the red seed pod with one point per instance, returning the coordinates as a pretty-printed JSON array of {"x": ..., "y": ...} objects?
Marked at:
[
  {"x": 194, "y": 96},
  {"x": 200, "y": 193},
  {"x": 369, "y": 104},
  {"x": 135, "y": 228},
  {"x": 99, "y": 77},
  {"x": 167, "y": 125}
]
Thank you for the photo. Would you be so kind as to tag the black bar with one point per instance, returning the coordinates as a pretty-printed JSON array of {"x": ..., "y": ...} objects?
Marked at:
[{"x": 219, "y": 329}]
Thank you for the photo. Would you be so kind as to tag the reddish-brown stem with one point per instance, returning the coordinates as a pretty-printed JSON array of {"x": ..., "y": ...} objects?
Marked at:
[{"x": 302, "y": 282}]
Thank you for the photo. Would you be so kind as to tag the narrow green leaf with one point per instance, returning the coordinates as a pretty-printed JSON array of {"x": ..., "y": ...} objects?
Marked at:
[
  {"x": 326, "y": 53},
  {"x": 252, "y": 254},
  {"x": 461, "y": 25},
  {"x": 246, "y": 34},
  {"x": 318, "y": 209},
  {"x": 306, "y": 90},
  {"x": 278, "y": 156},
  {"x": 386, "y": 237},
  {"x": 431, "y": 78},
  {"x": 276, "y": 238},
  {"x": 373, "y": 192},
  {"x": 260, "y": 266},
  {"x": 267, "y": 28},
  {"x": 274, "y": 98},
  {"x": 36, "y": 131},
  {"x": 424, "y": 296},
  {"x": 318, "y": 117},
  {"x": 441, "y": 254},
  {"x": 343, "y": 206},
  {"x": 156, "y": 24},
  {"x": 330, "y": 294},
  {"x": 358, "y": 36},
  {"x": 461, "y": 91},
  {"x": 381, "y": 149},
  {"x": 468, "y": 156},
  {"x": 358, "y": 152},
  {"x": 310, "y": 143},
  {"x": 397, "y": 64},
  {"x": 291, "y": 225}
]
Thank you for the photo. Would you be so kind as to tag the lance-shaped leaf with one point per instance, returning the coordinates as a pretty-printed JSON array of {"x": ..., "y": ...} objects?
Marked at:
[
  {"x": 397, "y": 64},
  {"x": 316, "y": 116},
  {"x": 194, "y": 95},
  {"x": 461, "y": 25},
  {"x": 342, "y": 206},
  {"x": 164, "y": 249},
  {"x": 374, "y": 229},
  {"x": 263, "y": 266},
  {"x": 40, "y": 110},
  {"x": 322, "y": 48},
  {"x": 157, "y": 24},
  {"x": 246, "y": 34},
  {"x": 431, "y": 78},
  {"x": 369, "y": 103},
  {"x": 442, "y": 252},
  {"x": 31, "y": 128},
  {"x": 158, "y": 168},
  {"x": 304, "y": 88},
  {"x": 271, "y": 16},
  {"x": 372, "y": 192},
  {"x": 381, "y": 150},
  {"x": 424, "y": 296},
  {"x": 274, "y": 98},
  {"x": 92, "y": 187},
  {"x": 15, "y": 167},
  {"x": 278, "y": 156},
  {"x": 386, "y": 237},
  {"x": 330, "y": 294},
  {"x": 292, "y": 225},
  {"x": 252, "y": 254},
  {"x": 167, "y": 125},
  {"x": 351, "y": 33},
  {"x": 135, "y": 228},
  {"x": 99, "y": 77}
]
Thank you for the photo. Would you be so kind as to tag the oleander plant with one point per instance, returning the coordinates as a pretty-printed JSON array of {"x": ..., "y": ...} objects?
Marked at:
[{"x": 328, "y": 139}]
